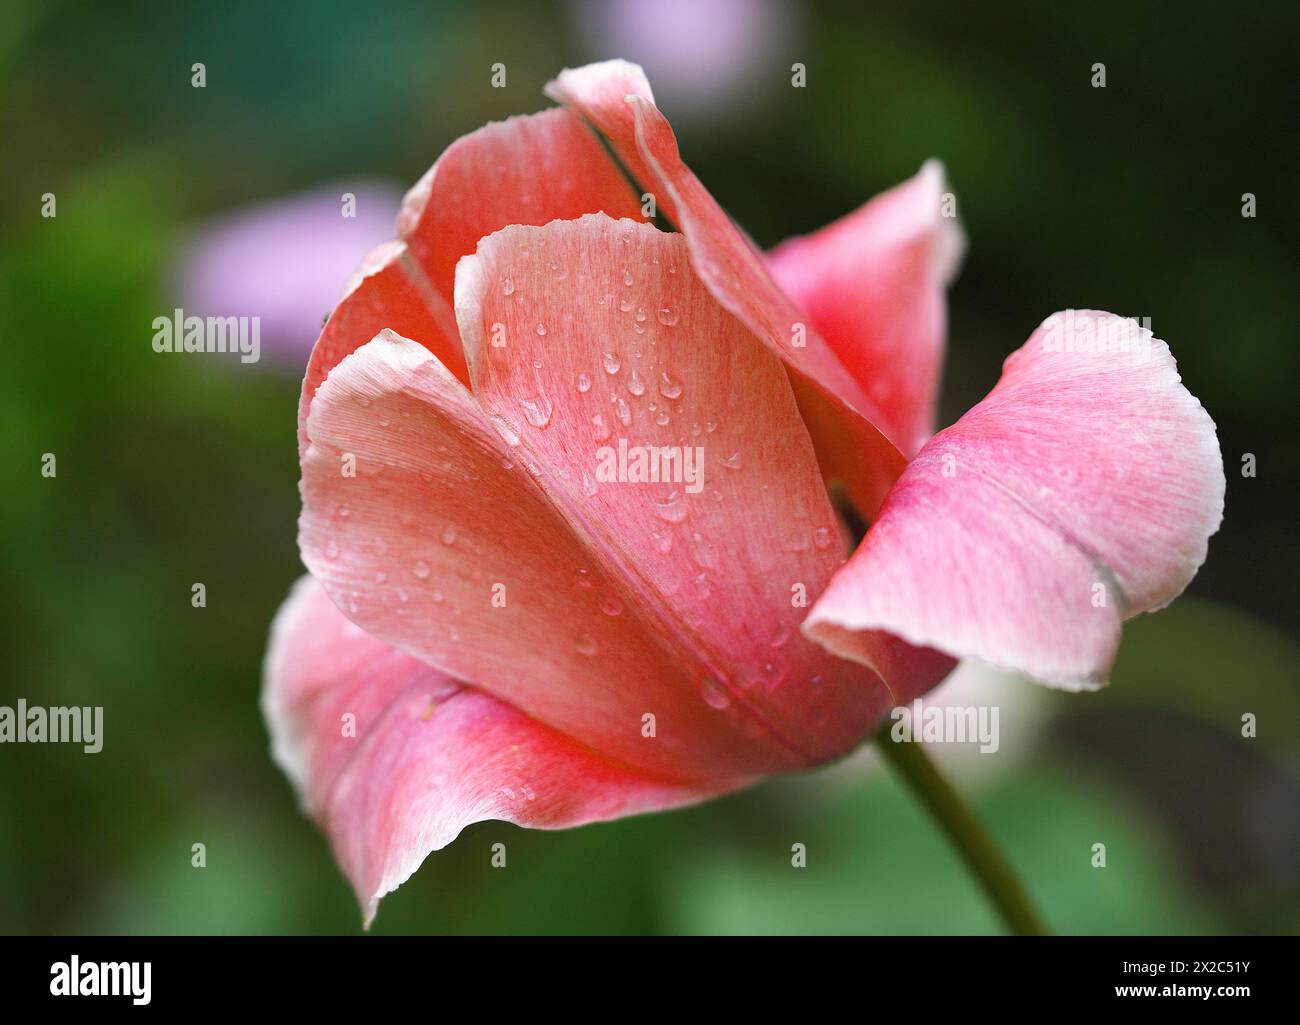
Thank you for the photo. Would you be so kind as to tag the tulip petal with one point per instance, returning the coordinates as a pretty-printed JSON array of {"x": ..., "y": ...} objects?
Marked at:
[
  {"x": 1080, "y": 492},
  {"x": 872, "y": 284},
  {"x": 388, "y": 291},
  {"x": 628, "y": 352},
  {"x": 600, "y": 93},
  {"x": 616, "y": 601},
  {"x": 525, "y": 170},
  {"x": 427, "y": 529},
  {"x": 394, "y": 759},
  {"x": 530, "y": 169},
  {"x": 844, "y": 421}
]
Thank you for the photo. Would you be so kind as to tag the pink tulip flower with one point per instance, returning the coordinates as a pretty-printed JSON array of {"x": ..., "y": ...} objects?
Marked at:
[{"x": 494, "y": 629}]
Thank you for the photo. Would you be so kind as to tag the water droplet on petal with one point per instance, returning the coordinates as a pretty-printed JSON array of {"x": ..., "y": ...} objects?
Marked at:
[
  {"x": 667, "y": 316},
  {"x": 635, "y": 383},
  {"x": 537, "y": 411},
  {"x": 611, "y": 363},
  {"x": 508, "y": 286},
  {"x": 449, "y": 535},
  {"x": 822, "y": 538},
  {"x": 669, "y": 386},
  {"x": 584, "y": 383},
  {"x": 506, "y": 429},
  {"x": 672, "y": 509},
  {"x": 714, "y": 694},
  {"x": 731, "y": 462},
  {"x": 774, "y": 674},
  {"x": 610, "y": 604},
  {"x": 541, "y": 328},
  {"x": 586, "y": 645},
  {"x": 420, "y": 570}
]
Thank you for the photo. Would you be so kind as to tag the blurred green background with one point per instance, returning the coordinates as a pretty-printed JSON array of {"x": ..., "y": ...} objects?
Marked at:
[{"x": 171, "y": 471}]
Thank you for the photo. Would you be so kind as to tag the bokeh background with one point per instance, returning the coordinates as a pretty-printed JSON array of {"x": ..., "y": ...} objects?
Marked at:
[{"x": 174, "y": 470}]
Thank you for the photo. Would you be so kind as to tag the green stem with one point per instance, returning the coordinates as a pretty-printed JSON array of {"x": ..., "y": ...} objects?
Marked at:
[{"x": 971, "y": 839}]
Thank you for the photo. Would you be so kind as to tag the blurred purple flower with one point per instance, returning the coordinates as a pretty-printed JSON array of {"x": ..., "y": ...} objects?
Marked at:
[
  {"x": 286, "y": 261},
  {"x": 704, "y": 56}
]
